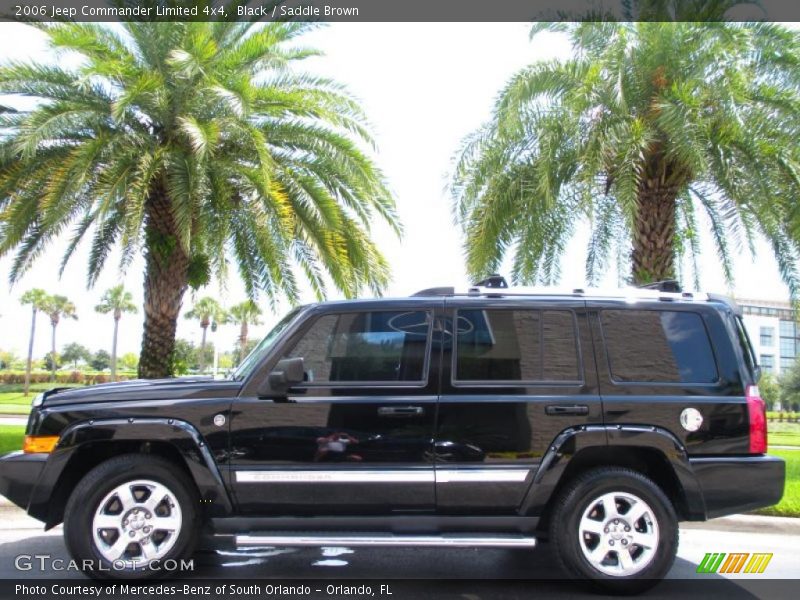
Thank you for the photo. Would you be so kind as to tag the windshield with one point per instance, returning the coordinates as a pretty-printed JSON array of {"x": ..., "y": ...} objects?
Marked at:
[{"x": 254, "y": 358}]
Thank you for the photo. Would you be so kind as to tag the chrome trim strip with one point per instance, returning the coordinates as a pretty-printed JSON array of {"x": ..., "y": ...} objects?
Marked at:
[
  {"x": 451, "y": 541},
  {"x": 365, "y": 399},
  {"x": 480, "y": 475},
  {"x": 380, "y": 476},
  {"x": 335, "y": 476}
]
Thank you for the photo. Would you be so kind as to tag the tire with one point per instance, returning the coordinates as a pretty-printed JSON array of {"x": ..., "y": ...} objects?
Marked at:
[
  {"x": 625, "y": 552},
  {"x": 160, "y": 518}
]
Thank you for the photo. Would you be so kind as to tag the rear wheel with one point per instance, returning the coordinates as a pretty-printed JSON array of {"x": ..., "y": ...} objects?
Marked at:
[
  {"x": 133, "y": 516},
  {"x": 615, "y": 528}
]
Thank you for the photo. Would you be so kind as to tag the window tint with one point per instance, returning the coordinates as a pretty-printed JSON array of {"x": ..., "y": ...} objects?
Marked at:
[
  {"x": 366, "y": 346},
  {"x": 516, "y": 345},
  {"x": 658, "y": 346}
]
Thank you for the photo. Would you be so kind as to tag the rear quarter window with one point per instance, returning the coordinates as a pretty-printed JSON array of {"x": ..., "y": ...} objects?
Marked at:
[{"x": 655, "y": 346}]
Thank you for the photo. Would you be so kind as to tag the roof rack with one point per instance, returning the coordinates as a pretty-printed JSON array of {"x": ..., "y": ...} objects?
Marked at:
[
  {"x": 493, "y": 281},
  {"x": 666, "y": 285},
  {"x": 497, "y": 286}
]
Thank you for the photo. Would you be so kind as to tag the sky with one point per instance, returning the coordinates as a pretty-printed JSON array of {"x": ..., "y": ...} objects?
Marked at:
[{"x": 424, "y": 87}]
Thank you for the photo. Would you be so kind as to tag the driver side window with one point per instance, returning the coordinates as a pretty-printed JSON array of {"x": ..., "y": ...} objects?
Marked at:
[{"x": 360, "y": 347}]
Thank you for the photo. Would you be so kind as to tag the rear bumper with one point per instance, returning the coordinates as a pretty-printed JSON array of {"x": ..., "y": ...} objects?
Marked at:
[
  {"x": 733, "y": 485},
  {"x": 19, "y": 473}
]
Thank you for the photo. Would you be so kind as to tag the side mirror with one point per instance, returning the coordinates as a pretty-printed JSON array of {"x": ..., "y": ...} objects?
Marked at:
[{"x": 288, "y": 372}]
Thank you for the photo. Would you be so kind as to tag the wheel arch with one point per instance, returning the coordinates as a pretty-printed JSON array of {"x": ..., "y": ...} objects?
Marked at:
[
  {"x": 85, "y": 445},
  {"x": 651, "y": 451}
]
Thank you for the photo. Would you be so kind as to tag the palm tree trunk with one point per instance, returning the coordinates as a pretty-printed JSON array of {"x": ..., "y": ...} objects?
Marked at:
[
  {"x": 653, "y": 255},
  {"x": 53, "y": 353},
  {"x": 242, "y": 341},
  {"x": 203, "y": 350},
  {"x": 165, "y": 282},
  {"x": 114, "y": 351},
  {"x": 30, "y": 354}
]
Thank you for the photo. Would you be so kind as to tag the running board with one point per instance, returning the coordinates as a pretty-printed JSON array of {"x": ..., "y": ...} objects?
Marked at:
[{"x": 447, "y": 541}]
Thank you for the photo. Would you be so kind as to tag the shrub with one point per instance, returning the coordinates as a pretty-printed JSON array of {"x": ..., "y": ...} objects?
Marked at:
[{"x": 73, "y": 377}]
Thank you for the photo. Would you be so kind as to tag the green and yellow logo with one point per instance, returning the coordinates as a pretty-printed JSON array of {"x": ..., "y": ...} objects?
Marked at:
[{"x": 741, "y": 562}]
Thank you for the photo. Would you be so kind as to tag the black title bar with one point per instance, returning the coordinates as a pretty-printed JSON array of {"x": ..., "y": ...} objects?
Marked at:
[{"x": 366, "y": 11}]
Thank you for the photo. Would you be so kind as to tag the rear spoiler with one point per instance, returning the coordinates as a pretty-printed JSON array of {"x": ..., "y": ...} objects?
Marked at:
[{"x": 727, "y": 300}]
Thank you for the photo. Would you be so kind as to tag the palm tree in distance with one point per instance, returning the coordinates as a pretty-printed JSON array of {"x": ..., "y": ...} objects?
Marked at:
[
  {"x": 647, "y": 126},
  {"x": 209, "y": 312},
  {"x": 117, "y": 301},
  {"x": 199, "y": 145},
  {"x": 36, "y": 298},
  {"x": 57, "y": 307},
  {"x": 244, "y": 314}
]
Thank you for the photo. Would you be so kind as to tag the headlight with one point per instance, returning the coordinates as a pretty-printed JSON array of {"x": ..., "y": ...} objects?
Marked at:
[{"x": 37, "y": 400}]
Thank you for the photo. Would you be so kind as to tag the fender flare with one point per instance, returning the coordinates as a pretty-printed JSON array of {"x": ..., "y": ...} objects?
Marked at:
[
  {"x": 180, "y": 434},
  {"x": 570, "y": 442}
]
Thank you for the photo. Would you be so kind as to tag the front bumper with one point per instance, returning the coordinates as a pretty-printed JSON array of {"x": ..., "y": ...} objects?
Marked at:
[
  {"x": 19, "y": 473},
  {"x": 738, "y": 484}
]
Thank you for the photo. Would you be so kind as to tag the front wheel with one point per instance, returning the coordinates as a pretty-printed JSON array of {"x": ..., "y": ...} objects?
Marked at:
[
  {"x": 615, "y": 528},
  {"x": 133, "y": 516}
]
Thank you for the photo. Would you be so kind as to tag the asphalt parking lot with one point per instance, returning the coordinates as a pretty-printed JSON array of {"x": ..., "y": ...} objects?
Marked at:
[{"x": 465, "y": 573}]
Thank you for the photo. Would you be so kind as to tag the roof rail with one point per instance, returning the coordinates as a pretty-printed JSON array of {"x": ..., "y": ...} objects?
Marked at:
[{"x": 496, "y": 286}]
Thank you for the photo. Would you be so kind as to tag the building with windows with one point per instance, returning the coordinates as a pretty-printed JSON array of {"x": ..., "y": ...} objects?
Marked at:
[{"x": 774, "y": 332}]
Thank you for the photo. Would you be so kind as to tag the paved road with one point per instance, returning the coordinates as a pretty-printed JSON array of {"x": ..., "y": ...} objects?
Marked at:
[{"x": 500, "y": 570}]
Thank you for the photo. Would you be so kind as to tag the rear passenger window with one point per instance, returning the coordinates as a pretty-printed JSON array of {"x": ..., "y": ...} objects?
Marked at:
[
  {"x": 516, "y": 345},
  {"x": 378, "y": 346},
  {"x": 658, "y": 346}
]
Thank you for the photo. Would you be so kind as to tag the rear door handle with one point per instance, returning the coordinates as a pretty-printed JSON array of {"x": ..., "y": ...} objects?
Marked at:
[
  {"x": 400, "y": 411},
  {"x": 562, "y": 409}
]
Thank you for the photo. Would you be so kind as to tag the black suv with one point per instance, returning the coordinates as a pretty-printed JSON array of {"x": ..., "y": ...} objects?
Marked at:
[{"x": 491, "y": 418}]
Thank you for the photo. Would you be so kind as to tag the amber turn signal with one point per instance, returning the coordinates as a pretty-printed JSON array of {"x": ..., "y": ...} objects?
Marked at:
[{"x": 39, "y": 443}]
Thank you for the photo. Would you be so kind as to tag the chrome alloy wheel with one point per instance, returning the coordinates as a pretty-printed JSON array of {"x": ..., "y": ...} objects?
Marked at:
[
  {"x": 618, "y": 534},
  {"x": 137, "y": 522}
]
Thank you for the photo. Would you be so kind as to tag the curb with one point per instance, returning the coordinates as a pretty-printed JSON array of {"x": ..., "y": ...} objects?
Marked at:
[{"x": 749, "y": 524}]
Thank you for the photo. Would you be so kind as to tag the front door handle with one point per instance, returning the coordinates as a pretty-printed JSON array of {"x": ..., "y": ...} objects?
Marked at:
[
  {"x": 562, "y": 409},
  {"x": 400, "y": 411}
]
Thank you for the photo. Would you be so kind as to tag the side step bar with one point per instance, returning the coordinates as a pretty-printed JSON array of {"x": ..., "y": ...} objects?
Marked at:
[{"x": 447, "y": 541}]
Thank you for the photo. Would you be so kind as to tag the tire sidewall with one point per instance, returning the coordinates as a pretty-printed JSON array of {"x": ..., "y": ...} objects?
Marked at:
[
  {"x": 566, "y": 528},
  {"x": 91, "y": 490}
]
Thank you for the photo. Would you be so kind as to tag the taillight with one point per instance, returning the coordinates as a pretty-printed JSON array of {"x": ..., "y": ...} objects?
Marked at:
[{"x": 757, "y": 411}]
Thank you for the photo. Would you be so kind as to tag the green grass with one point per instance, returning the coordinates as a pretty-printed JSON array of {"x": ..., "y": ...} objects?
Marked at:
[
  {"x": 14, "y": 402},
  {"x": 790, "y": 504},
  {"x": 11, "y": 437}
]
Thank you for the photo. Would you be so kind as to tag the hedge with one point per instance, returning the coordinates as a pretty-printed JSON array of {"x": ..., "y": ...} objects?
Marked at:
[{"x": 61, "y": 377}]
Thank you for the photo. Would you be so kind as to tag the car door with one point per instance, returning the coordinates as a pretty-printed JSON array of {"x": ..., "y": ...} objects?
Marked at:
[
  {"x": 356, "y": 436},
  {"x": 515, "y": 373}
]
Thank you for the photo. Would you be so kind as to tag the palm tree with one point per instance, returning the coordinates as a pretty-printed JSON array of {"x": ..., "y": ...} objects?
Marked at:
[
  {"x": 36, "y": 298},
  {"x": 207, "y": 311},
  {"x": 200, "y": 145},
  {"x": 244, "y": 314},
  {"x": 57, "y": 307},
  {"x": 648, "y": 125},
  {"x": 116, "y": 300}
]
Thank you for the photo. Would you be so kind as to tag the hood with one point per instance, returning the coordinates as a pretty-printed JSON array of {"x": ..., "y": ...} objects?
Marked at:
[{"x": 144, "y": 389}]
